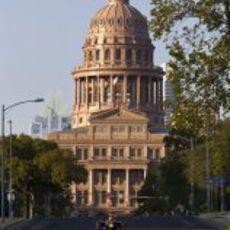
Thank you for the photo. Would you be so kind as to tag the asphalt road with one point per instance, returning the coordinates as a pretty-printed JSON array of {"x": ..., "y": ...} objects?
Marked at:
[{"x": 133, "y": 223}]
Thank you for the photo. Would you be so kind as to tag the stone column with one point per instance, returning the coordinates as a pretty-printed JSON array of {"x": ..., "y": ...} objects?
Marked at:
[
  {"x": 157, "y": 95},
  {"x": 161, "y": 94},
  {"x": 78, "y": 92},
  {"x": 138, "y": 91},
  {"x": 90, "y": 181},
  {"x": 102, "y": 90},
  {"x": 109, "y": 187},
  {"x": 109, "y": 152},
  {"x": 82, "y": 92},
  {"x": 98, "y": 91},
  {"x": 145, "y": 173},
  {"x": 125, "y": 89},
  {"x": 93, "y": 89},
  {"x": 149, "y": 90},
  {"x": 111, "y": 89},
  {"x": 154, "y": 93},
  {"x": 145, "y": 152},
  {"x": 127, "y": 188},
  {"x": 87, "y": 91}
]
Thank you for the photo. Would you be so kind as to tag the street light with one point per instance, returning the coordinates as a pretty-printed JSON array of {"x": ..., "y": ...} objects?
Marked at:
[
  {"x": 192, "y": 193},
  {"x": 4, "y": 109},
  {"x": 10, "y": 194}
]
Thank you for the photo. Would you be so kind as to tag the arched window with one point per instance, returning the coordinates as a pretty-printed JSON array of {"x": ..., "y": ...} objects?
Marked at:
[
  {"x": 107, "y": 55},
  {"x": 97, "y": 55},
  {"x": 129, "y": 55},
  {"x": 90, "y": 56},
  {"x": 138, "y": 56}
]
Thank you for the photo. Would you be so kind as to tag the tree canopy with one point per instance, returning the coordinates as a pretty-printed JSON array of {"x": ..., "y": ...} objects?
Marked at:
[
  {"x": 197, "y": 34},
  {"x": 41, "y": 168}
]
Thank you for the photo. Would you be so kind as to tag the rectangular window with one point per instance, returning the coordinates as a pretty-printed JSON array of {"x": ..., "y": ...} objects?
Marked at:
[
  {"x": 118, "y": 129},
  {"x": 139, "y": 152},
  {"x": 138, "y": 56},
  {"x": 97, "y": 55},
  {"x": 146, "y": 56},
  {"x": 78, "y": 154},
  {"x": 118, "y": 54},
  {"x": 78, "y": 198},
  {"x": 121, "y": 196},
  {"x": 136, "y": 129},
  {"x": 121, "y": 153},
  {"x": 82, "y": 153},
  {"x": 139, "y": 128},
  {"x": 150, "y": 154},
  {"x": 85, "y": 200},
  {"x": 132, "y": 153},
  {"x": 103, "y": 152},
  {"x": 100, "y": 129},
  {"x": 114, "y": 153},
  {"x": 96, "y": 153},
  {"x": 128, "y": 55},
  {"x": 157, "y": 154},
  {"x": 85, "y": 154},
  {"x": 100, "y": 153},
  {"x": 118, "y": 153}
]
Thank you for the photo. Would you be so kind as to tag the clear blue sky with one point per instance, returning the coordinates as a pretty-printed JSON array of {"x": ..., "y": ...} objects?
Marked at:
[{"x": 40, "y": 42}]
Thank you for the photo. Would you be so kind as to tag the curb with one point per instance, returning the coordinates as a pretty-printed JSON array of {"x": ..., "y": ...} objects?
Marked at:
[{"x": 19, "y": 223}]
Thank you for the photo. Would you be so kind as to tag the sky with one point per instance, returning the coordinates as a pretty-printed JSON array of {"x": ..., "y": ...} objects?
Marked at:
[{"x": 40, "y": 43}]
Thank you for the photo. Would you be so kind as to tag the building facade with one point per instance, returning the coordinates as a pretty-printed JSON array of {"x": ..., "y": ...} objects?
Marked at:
[
  {"x": 118, "y": 119},
  {"x": 168, "y": 94}
]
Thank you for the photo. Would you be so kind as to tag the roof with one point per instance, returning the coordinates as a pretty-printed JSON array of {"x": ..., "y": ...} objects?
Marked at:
[
  {"x": 118, "y": 115},
  {"x": 119, "y": 16}
]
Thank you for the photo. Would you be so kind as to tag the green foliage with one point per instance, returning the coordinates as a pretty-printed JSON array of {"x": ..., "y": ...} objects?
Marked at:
[
  {"x": 165, "y": 186},
  {"x": 197, "y": 34},
  {"x": 174, "y": 181},
  {"x": 220, "y": 147},
  {"x": 150, "y": 200},
  {"x": 184, "y": 164},
  {"x": 41, "y": 168}
]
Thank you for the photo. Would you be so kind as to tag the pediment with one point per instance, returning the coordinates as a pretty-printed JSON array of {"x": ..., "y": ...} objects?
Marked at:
[{"x": 118, "y": 115}]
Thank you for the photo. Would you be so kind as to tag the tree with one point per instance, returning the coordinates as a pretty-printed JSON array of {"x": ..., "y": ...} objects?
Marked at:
[
  {"x": 42, "y": 170},
  {"x": 150, "y": 198},
  {"x": 197, "y": 33}
]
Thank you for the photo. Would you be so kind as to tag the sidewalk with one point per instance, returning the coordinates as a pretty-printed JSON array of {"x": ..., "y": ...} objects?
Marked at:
[
  {"x": 9, "y": 222},
  {"x": 220, "y": 218}
]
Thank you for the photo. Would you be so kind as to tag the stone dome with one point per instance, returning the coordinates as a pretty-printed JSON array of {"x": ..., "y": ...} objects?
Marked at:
[{"x": 118, "y": 18}]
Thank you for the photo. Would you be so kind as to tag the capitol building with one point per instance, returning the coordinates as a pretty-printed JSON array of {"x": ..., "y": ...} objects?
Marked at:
[{"x": 118, "y": 119}]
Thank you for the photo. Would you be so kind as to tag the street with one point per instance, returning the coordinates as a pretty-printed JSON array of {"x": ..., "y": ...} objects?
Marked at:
[{"x": 132, "y": 223}]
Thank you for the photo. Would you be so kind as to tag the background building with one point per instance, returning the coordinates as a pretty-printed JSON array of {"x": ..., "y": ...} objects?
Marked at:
[
  {"x": 168, "y": 95},
  {"x": 41, "y": 126},
  {"x": 53, "y": 118},
  {"x": 118, "y": 118}
]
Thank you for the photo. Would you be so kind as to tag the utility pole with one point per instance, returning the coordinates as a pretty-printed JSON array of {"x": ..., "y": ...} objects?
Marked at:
[
  {"x": 10, "y": 173},
  {"x": 192, "y": 175},
  {"x": 4, "y": 109},
  {"x": 2, "y": 167},
  {"x": 207, "y": 169},
  {"x": 222, "y": 194}
]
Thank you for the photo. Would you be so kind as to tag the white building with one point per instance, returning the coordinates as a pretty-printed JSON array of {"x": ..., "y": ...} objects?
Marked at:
[
  {"x": 41, "y": 126},
  {"x": 168, "y": 95}
]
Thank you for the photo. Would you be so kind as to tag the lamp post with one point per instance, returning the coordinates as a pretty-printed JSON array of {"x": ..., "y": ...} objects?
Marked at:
[
  {"x": 192, "y": 193},
  {"x": 10, "y": 200},
  {"x": 4, "y": 109}
]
